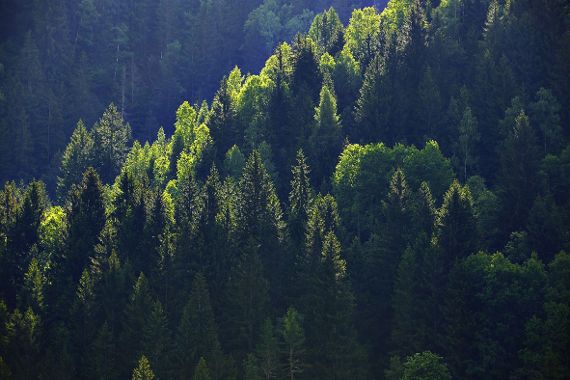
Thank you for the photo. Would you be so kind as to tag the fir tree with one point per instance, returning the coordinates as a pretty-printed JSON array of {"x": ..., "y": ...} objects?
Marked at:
[
  {"x": 197, "y": 333},
  {"x": 457, "y": 230},
  {"x": 143, "y": 371},
  {"x": 77, "y": 157}
]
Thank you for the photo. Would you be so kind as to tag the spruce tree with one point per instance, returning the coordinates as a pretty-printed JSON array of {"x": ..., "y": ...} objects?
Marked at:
[
  {"x": 292, "y": 348},
  {"x": 517, "y": 179},
  {"x": 111, "y": 137},
  {"x": 201, "y": 372},
  {"x": 457, "y": 228},
  {"x": 300, "y": 199},
  {"x": 248, "y": 300},
  {"x": 197, "y": 332},
  {"x": 143, "y": 371},
  {"x": 266, "y": 351},
  {"x": 326, "y": 137},
  {"x": 259, "y": 221},
  {"x": 77, "y": 157},
  {"x": 86, "y": 219}
]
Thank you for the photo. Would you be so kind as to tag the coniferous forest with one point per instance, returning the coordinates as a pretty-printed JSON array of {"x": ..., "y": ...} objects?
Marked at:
[{"x": 285, "y": 189}]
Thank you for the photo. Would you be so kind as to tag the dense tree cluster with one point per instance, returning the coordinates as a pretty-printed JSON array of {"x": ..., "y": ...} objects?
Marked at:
[
  {"x": 62, "y": 60},
  {"x": 385, "y": 200}
]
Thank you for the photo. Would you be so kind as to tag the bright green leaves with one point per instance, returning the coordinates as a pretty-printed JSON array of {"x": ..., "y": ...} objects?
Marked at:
[{"x": 362, "y": 34}]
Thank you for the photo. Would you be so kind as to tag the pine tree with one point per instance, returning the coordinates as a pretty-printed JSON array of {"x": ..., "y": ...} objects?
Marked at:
[
  {"x": 323, "y": 219},
  {"x": 77, "y": 157},
  {"x": 143, "y": 370},
  {"x": 381, "y": 256},
  {"x": 197, "y": 333},
  {"x": 425, "y": 366},
  {"x": 33, "y": 289},
  {"x": 247, "y": 300},
  {"x": 201, "y": 372},
  {"x": 21, "y": 342},
  {"x": 259, "y": 220},
  {"x": 424, "y": 211},
  {"x": 129, "y": 221},
  {"x": 156, "y": 339},
  {"x": 327, "y": 31},
  {"x": 222, "y": 117},
  {"x": 305, "y": 84},
  {"x": 111, "y": 137},
  {"x": 333, "y": 347},
  {"x": 416, "y": 300},
  {"x": 518, "y": 174},
  {"x": 142, "y": 315},
  {"x": 267, "y": 351},
  {"x": 103, "y": 353},
  {"x": 468, "y": 137},
  {"x": 326, "y": 137},
  {"x": 292, "y": 349},
  {"x": 457, "y": 229},
  {"x": 86, "y": 219},
  {"x": 545, "y": 113},
  {"x": 251, "y": 370},
  {"x": 234, "y": 162},
  {"x": 300, "y": 199}
]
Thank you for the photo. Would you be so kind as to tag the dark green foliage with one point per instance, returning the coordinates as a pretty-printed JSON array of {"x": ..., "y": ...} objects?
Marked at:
[
  {"x": 197, "y": 338},
  {"x": 518, "y": 173},
  {"x": 173, "y": 257},
  {"x": 292, "y": 351},
  {"x": 547, "y": 336},
  {"x": 247, "y": 300},
  {"x": 111, "y": 137},
  {"x": 77, "y": 157},
  {"x": 325, "y": 140},
  {"x": 267, "y": 351},
  {"x": 201, "y": 372},
  {"x": 425, "y": 366},
  {"x": 457, "y": 232},
  {"x": 300, "y": 200},
  {"x": 86, "y": 219}
]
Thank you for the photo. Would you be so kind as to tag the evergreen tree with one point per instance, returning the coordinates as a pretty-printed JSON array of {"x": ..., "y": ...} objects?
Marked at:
[
  {"x": 468, "y": 137},
  {"x": 425, "y": 366},
  {"x": 197, "y": 338},
  {"x": 111, "y": 137},
  {"x": 86, "y": 219},
  {"x": 457, "y": 233},
  {"x": 518, "y": 174},
  {"x": 327, "y": 31},
  {"x": 292, "y": 350},
  {"x": 328, "y": 308},
  {"x": 103, "y": 353},
  {"x": 300, "y": 199},
  {"x": 143, "y": 371},
  {"x": 144, "y": 327},
  {"x": 201, "y": 372},
  {"x": 77, "y": 157},
  {"x": 326, "y": 137},
  {"x": 267, "y": 351},
  {"x": 259, "y": 220},
  {"x": 234, "y": 162},
  {"x": 248, "y": 300},
  {"x": 545, "y": 113},
  {"x": 22, "y": 343}
]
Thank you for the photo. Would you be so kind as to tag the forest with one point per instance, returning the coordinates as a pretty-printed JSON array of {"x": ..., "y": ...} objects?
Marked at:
[{"x": 274, "y": 189}]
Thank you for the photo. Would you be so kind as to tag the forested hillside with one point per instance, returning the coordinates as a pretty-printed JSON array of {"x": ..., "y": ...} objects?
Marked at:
[
  {"x": 388, "y": 198},
  {"x": 62, "y": 60}
]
